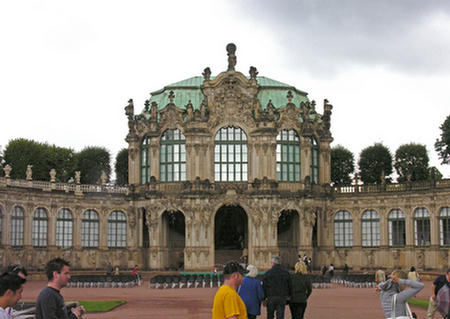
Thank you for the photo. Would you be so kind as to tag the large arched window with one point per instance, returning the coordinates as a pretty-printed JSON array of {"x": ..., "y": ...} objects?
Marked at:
[
  {"x": 64, "y": 229},
  {"x": 444, "y": 226},
  {"x": 421, "y": 227},
  {"x": 230, "y": 155},
  {"x": 89, "y": 229},
  {"x": 370, "y": 228},
  {"x": 396, "y": 224},
  {"x": 343, "y": 229},
  {"x": 17, "y": 226},
  {"x": 40, "y": 228},
  {"x": 145, "y": 161},
  {"x": 314, "y": 161},
  {"x": 288, "y": 156},
  {"x": 173, "y": 156},
  {"x": 117, "y": 229}
]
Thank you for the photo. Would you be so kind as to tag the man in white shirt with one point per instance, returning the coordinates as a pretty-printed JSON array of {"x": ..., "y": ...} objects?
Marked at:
[{"x": 11, "y": 288}]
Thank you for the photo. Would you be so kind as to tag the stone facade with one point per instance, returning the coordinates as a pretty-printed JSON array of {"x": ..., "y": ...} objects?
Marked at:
[{"x": 171, "y": 222}]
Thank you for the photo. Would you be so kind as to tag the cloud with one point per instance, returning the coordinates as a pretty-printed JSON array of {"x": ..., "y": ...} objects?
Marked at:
[{"x": 326, "y": 36}]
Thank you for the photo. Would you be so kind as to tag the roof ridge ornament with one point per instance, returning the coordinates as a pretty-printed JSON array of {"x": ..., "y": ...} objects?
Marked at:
[
  {"x": 231, "y": 49},
  {"x": 253, "y": 73}
]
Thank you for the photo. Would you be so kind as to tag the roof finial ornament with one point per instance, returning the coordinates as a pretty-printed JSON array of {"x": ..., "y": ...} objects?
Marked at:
[{"x": 231, "y": 49}]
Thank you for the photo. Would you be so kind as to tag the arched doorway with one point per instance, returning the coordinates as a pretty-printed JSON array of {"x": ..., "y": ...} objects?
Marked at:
[
  {"x": 230, "y": 234},
  {"x": 173, "y": 239},
  {"x": 288, "y": 229}
]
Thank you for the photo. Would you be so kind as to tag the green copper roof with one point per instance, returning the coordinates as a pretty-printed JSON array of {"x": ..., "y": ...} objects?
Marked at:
[{"x": 189, "y": 90}]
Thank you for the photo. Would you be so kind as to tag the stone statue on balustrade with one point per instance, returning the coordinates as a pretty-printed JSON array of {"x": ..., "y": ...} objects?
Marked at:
[{"x": 29, "y": 173}]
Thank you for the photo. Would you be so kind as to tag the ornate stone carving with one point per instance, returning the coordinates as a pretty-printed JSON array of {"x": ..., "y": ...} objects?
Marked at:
[
  {"x": 253, "y": 73},
  {"x": 7, "y": 169},
  {"x": 231, "y": 49},
  {"x": 29, "y": 173},
  {"x": 52, "y": 174},
  {"x": 206, "y": 74},
  {"x": 77, "y": 177}
]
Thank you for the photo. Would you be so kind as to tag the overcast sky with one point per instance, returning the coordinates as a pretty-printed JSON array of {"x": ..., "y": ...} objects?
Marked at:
[{"x": 68, "y": 68}]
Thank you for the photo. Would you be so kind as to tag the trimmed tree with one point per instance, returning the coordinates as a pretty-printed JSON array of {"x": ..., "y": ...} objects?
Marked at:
[
  {"x": 91, "y": 161},
  {"x": 121, "y": 167},
  {"x": 411, "y": 160},
  {"x": 373, "y": 161},
  {"x": 342, "y": 165},
  {"x": 442, "y": 145}
]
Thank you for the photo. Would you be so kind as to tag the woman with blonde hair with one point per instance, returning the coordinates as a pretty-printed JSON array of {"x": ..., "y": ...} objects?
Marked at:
[
  {"x": 251, "y": 292},
  {"x": 394, "y": 296},
  {"x": 301, "y": 289}
]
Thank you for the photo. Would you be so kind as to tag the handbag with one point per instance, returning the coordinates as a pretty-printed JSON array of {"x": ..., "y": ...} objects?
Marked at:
[{"x": 408, "y": 310}]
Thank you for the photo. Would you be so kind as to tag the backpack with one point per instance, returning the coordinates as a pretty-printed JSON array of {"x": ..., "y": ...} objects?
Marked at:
[{"x": 443, "y": 300}]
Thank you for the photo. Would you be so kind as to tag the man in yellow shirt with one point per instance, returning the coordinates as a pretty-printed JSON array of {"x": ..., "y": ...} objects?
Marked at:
[{"x": 227, "y": 303}]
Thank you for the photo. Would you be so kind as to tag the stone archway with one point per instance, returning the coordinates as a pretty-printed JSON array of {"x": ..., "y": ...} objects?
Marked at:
[
  {"x": 230, "y": 234},
  {"x": 288, "y": 230},
  {"x": 173, "y": 240}
]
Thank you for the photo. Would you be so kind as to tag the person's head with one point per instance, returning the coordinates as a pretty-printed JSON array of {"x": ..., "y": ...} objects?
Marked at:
[
  {"x": 448, "y": 274},
  {"x": 275, "y": 260},
  {"x": 300, "y": 268},
  {"x": 19, "y": 270},
  {"x": 252, "y": 271},
  {"x": 11, "y": 288},
  {"x": 412, "y": 269},
  {"x": 233, "y": 272},
  {"x": 398, "y": 274},
  {"x": 58, "y": 272}
]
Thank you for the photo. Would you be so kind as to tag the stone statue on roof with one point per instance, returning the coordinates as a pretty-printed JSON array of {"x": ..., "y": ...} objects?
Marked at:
[{"x": 231, "y": 49}]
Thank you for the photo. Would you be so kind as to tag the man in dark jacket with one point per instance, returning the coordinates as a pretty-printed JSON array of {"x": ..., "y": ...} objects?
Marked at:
[{"x": 276, "y": 286}]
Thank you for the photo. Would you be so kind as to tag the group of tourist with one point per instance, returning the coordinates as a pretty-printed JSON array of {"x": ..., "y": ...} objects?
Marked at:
[
  {"x": 241, "y": 297},
  {"x": 50, "y": 302}
]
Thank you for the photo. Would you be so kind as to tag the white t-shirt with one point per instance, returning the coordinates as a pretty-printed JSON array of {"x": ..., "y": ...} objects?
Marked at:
[{"x": 4, "y": 314}]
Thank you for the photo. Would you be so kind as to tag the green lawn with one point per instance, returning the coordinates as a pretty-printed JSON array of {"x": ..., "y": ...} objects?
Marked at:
[
  {"x": 423, "y": 303},
  {"x": 101, "y": 306}
]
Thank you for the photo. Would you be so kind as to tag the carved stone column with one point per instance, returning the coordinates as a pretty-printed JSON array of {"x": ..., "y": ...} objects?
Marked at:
[
  {"x": 409, "y": 227},
  {"x": 133, "y": 160},
  {"x": 305, "y": 155},
  {"x": 434, "y": 228},
  {"x": 325, "y": 162},
  {"x": 28, "y": 225},
  {"x": 154, "y": 224},
  {"x": 384, "y": 224}
]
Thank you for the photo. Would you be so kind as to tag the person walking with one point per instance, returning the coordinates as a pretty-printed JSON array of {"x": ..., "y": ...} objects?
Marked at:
[
  {"x": 301, "y": 289},
  {"x": 11, "y": 288},
  {"x": 394, "y": 298},
  {"x": 413, "y": 274},
  {"x": 276, "y": 286},
  {"x": 227, "y": 303},
  {"x": 331, "y": 270},
  {"x": 50, "y": 302},
  {"x": 438, "y": 283},
  {"x": 20, "y": 271},
  {"x": 380, "y": 276},
  {"x": 252, "y": 293}
]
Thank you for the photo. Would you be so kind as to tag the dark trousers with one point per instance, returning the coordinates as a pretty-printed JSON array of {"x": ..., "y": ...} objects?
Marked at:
[
  {"x": 276, "y": 304},
  {"x": 297, "y": 309},
  {"x": 251, "y": 316}
]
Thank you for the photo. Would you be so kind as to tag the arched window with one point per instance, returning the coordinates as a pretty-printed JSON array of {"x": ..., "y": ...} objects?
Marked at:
[
  {"x": 230, "y": 155},
  {"x": 17, "y": 226},
  {"x": 397, "y": 233},
  {"x": 444, "y": 226},
  {"x": 117, "y": 229},
  {"x": 64, "y": 229},
  {"x": 370, "y": 228},
  {"x": 89, "y": 229},
  {"x": 288, "y": 156},
  {"x": 145, "y": 161},
  {"x": 314, "y": 161},
  {"x": 173, "y": 156},
  {"x": 343, "y": 229},
  {"x": 40, "y": 228},
  {"x": 421, "y": 227}
]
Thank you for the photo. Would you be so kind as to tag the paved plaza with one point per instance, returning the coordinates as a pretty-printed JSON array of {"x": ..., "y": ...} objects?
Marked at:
[{"x": 196, "y": 303}]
